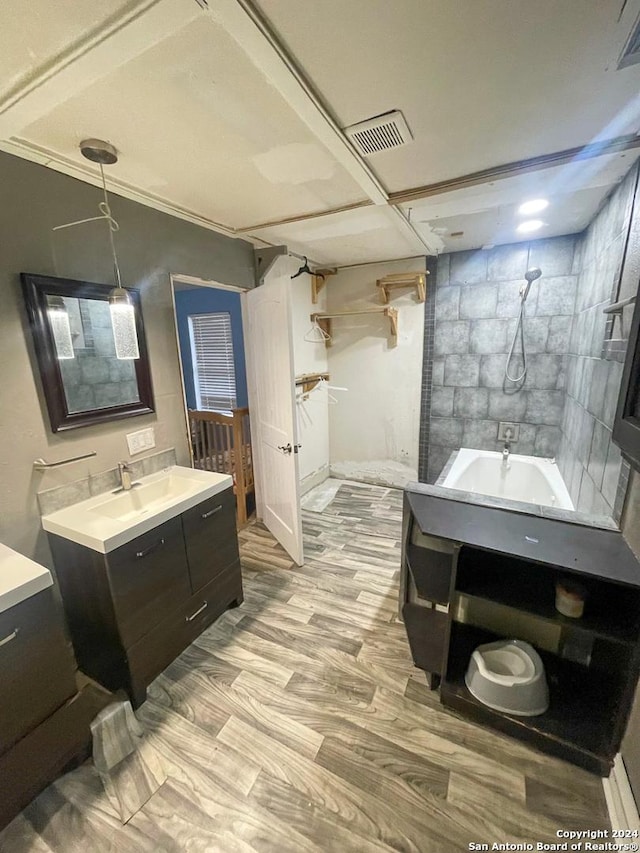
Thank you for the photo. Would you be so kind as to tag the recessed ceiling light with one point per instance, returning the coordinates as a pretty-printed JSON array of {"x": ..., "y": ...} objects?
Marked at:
[
  {"x": 534, "y": 206},
  {"x": 530, "y": 225}
]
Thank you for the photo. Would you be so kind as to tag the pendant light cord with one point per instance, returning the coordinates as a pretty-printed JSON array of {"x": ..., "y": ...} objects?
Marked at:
[{"x": 112, "y": 226}]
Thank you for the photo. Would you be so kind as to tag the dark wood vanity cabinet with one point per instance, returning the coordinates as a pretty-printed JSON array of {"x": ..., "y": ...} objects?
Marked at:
[
  {"x": 133, "y": 610},
  {"x": 146, "y": 578},
  {"x": 213, "y": 520},
  {"x": 37, "y": 669},
  {"x": 473, "y": 574}
]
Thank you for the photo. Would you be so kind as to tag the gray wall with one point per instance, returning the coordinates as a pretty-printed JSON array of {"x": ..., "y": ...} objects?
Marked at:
[
  {"x": 477, "y": 302},
  {"x": 151, "y": 245},
  {"x": 588, "y": 460}
]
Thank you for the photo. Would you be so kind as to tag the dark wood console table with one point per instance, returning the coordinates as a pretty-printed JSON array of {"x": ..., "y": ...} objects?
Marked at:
[{"x": 472, "y": 574}]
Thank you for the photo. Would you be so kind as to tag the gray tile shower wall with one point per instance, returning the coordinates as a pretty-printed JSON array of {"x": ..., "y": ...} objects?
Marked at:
[
  {"x": 477, "y": 304},
  {"x": 588, "y": 460},
  {"x": 428, "y": 381}
]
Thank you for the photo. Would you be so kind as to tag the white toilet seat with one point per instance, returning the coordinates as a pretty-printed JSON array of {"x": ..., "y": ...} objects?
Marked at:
[
  {"x": 508, "y": 676},
  {"x": 508, "y": 664}
]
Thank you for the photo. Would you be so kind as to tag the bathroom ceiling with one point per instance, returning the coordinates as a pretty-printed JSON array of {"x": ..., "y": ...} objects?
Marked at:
[{"x": 235, "y": 122}]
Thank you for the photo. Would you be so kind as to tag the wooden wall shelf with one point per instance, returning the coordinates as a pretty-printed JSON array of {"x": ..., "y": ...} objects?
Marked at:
[
  {"x": 308, "y": 381},
  {"x": 402, "y": 280},
  {"x": 324, "y": 320}
]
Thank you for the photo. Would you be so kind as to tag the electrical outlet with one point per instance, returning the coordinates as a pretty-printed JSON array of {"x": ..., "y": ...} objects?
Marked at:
[{"x": 143, "y": 439}]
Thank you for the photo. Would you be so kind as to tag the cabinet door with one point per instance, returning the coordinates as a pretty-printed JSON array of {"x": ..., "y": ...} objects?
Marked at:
[
  {"x": 211, "y": 538},
  {"x": 37, "y": 669},
  {"x": 426, "y": 632},
  {"x": 149, "y": 579}
]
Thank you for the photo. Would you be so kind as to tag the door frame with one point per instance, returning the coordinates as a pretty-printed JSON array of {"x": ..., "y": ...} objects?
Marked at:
[{"x": 192, "y": 281}]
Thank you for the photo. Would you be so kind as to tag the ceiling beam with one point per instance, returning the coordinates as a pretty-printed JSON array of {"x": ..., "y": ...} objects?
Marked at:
[
  {"x": 495, "y": 173},
  {"x": 116, "y": 41},
  {"x": 251, "y": 31},
  {"x": 519, "y": 167},
  {"x": 274, "y": 223}
]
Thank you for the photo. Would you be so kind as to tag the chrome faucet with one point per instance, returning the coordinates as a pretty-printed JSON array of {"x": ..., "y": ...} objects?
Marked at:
[
  {"x": 124, "y": 472},
  {"x": 507, "y": 447}
]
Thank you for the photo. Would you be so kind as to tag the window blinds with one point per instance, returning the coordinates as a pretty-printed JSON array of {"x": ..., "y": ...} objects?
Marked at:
[{"x": 212, "y": 356}]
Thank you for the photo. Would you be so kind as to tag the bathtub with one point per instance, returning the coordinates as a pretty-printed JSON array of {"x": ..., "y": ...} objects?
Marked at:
[{"x": 530, "y": 479}]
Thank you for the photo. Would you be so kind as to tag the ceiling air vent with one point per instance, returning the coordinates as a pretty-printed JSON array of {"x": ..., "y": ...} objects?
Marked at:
[
  {"x": 381, "y": 133},
  {"x": 631, "y": 53}
]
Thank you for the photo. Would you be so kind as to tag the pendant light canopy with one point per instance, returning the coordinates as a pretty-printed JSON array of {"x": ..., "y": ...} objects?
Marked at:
[{"x": 123, "y": 318}]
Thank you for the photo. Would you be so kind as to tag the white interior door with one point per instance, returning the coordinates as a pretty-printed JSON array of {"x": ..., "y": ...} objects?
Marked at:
[{"x": 274, "y": 429}]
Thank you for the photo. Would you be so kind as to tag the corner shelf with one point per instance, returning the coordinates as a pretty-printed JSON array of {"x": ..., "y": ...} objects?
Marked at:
[
  {"x": 324, "y": 320},
  {"x": 403, "y": 280}
]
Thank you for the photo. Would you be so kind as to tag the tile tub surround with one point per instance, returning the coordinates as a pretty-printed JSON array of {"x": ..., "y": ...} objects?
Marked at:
[
  {"x": 588, "y": 459},
  {"x": 60, "y": 497},
  {"x": 477, "y": 303}
]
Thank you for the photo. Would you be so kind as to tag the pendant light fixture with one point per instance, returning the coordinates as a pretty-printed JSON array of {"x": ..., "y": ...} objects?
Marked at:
[
  {"x": 123, "y": 318},
  {"x": 60, "y": 327}
]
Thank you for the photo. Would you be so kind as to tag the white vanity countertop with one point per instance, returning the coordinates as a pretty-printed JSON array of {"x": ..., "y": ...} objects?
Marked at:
[
  {"x": 107, "y": 521},
  {"x": 20, "y": 578}
]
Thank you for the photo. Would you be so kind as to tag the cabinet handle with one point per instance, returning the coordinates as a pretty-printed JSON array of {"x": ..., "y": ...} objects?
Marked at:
[
  {"x": 211, "y": 512},
  {"x": 197, "y": 613},
  {"x": 10, "y": 637},
  {"x": 150, "y": 549}
]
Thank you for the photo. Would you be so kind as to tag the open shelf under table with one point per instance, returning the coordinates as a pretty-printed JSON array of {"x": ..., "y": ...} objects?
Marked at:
[
  {"x": 612, "y": 611},
  {"x": 580, "y": 720}
]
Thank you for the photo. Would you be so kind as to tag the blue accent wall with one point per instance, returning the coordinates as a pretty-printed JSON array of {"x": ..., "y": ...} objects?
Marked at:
[{"x": 208, "y": 300}]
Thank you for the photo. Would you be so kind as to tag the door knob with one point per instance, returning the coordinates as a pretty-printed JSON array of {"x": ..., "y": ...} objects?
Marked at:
[{"x": 285, "y": 448}]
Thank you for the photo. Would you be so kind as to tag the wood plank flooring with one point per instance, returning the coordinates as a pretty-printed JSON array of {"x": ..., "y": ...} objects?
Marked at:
[{"x": 298, "y": 723}]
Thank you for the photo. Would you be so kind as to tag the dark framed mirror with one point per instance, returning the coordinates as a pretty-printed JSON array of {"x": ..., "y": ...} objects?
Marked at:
[{"x": 83, "y": 379}]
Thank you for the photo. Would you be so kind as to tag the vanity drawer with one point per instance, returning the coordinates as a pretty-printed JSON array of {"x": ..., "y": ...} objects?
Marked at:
[
  {"x": 149, "y": 579},
  {"x": 163, "y": 644},
  {"x": 210, "y": 537},
  {"x": 37, "y": 669},
  {"x": 426, "y": 632}
]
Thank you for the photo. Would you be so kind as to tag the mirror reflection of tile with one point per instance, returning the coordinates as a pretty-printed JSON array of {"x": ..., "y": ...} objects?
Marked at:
[{"x": 95, "y": 378}]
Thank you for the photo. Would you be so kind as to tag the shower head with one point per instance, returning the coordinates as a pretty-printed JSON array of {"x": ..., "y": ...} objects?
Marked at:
[{"x": 530, "y": 276}]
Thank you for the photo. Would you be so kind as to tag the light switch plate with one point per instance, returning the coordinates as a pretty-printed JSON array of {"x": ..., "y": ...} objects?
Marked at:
[{"x": 143, "y": 439}]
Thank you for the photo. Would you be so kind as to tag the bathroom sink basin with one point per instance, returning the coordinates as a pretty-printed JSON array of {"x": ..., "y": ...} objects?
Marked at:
[
  {"x": 143, "y": 498},
  {"x": 107, "y": 521}
]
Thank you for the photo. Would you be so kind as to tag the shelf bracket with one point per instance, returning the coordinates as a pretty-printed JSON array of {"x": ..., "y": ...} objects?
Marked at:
[
  {"x": 392, "y": 314},
  {"x": 404, "y": 280},
  {"x": 265, "y": 259},
  {"x": 318, "y": 281}
]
